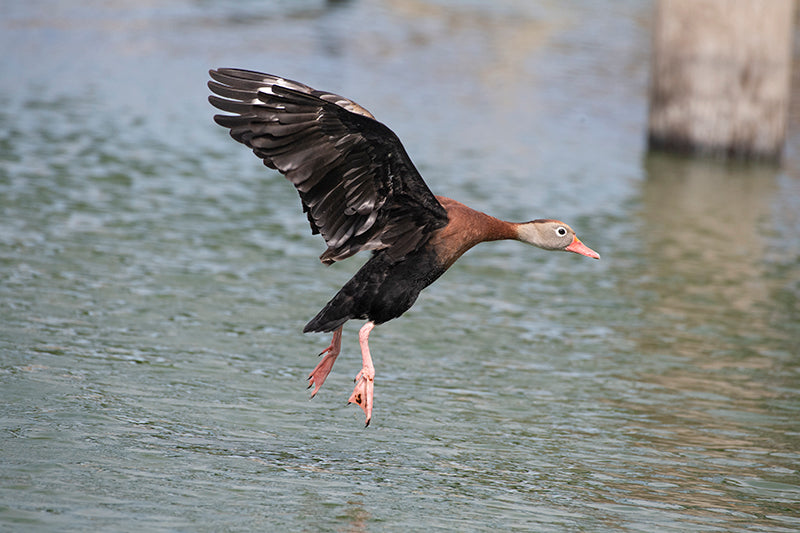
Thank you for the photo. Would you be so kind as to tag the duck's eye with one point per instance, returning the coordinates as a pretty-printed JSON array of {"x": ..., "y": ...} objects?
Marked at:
[{"x": 561, "y": 231}]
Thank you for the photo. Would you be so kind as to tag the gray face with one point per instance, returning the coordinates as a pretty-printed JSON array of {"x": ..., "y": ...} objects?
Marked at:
[{"x": 554, "y": 234}]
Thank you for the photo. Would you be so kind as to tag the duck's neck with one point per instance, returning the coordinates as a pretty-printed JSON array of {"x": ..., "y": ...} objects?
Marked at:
[{"x": 466, "y": 228}]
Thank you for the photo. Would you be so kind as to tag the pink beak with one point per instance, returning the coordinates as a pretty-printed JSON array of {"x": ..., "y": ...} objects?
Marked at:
[{"x": 579, "y": 248}]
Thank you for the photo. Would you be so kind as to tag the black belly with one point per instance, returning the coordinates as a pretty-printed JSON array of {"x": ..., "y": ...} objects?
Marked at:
[{"x": 381, "y": 290}]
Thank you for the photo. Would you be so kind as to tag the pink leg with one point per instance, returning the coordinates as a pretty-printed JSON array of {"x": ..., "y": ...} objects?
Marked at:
[
  {"x": 362, "y": 393},
  {"x": 323, "y": 368}
]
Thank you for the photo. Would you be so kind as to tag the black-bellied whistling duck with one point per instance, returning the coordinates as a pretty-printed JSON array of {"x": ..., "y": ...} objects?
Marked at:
[{"x": 361, "y": 191}]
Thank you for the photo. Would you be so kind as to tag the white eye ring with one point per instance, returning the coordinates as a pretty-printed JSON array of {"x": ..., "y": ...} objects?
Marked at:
[{"x": 561, "y": 231}]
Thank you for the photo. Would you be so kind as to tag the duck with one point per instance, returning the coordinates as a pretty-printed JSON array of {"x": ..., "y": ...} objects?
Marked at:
[{"x": 360, "y": 192}]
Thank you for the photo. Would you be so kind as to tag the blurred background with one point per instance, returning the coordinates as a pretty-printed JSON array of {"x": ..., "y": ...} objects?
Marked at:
[{"x": 155, "y": 278}]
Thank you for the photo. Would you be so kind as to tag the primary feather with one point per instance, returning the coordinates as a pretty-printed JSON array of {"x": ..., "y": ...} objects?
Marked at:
[{"x": 357, "y": 184}]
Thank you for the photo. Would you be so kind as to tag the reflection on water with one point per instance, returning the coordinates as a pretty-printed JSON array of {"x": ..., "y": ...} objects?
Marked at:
[
  {"x": 154, "y": 279},
  {"x": 716, "y": 361},
  {"x": 707, "y": 228}
]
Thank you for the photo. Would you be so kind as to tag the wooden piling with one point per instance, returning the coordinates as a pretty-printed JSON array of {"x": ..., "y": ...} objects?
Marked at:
[{"x": 721, "y": 73}]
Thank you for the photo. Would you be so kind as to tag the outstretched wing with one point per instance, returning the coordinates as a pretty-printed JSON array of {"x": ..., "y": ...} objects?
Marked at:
[{"x": 358, "y": 186}]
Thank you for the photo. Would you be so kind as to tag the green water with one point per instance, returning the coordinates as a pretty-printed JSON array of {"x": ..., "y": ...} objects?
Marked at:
[{"x": 155, "y": 278}]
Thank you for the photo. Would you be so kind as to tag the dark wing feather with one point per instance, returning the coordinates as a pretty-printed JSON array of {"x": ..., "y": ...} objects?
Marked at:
[{"x": 358, "y": 186}]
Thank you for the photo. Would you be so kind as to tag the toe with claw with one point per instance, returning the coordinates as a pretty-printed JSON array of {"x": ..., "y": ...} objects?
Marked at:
[
  {"x": 317, "y": 376},
  {"x": 362, "y": 393}
]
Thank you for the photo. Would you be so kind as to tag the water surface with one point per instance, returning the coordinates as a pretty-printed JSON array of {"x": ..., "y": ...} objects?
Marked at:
[{"x": 156, "y": 277}]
